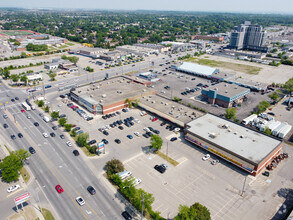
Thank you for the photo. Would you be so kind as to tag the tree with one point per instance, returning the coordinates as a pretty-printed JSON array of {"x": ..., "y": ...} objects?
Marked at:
[
  {"x": 24, "y": 78},
  {"x": 289, "y": 85},
  {"x": 6, "y": 74},
  {"x": 117, "y": 180},
  {"x": 156, "y": 142},
  {"x": 135, "y": 102},
  {"x": 62, "y": 121},
  {"x": 267, "y": 131},
  {"x": 176, "y": 99},
  {"x": 47, "y": 108},
  {"x": 68, "y": 127},
  {"x": 194, "y": 212},
  {"x": 52, "y": 76},
  {"x": 82, "y": 139},
  {"x": 128, "y": 102},
  {"x": 230, "y": 113},
  {"x": 73, "y": 133},
  {"x": 11, "y": 165},
  {"x": 148, "y": 200},
  {"x": 14, "y": 77},
  {"x": 73, "y": 59},
  {"x": 41, "y": 103},
  {"x": 114, "y": 166},
  {"x": 55, "y": 115},
  {"x": 274, "y": 96},
  {"x": 23, "y": 55},
  {"x": 262, "y": 106}
]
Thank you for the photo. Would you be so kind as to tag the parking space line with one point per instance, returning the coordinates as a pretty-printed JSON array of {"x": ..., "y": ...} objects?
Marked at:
[{"x": 227, "y": 203}]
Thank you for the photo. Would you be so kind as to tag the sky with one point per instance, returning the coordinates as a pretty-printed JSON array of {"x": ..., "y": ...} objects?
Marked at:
[{"x": 255, "y": 6}]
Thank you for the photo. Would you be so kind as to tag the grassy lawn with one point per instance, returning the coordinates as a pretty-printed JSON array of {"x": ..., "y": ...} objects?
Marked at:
[
  {"x": 63, "y": 46},
  {"x": 165, "y": 157},
  {"x": 234, "y": 66},
  {"x": 47, "y": 214},
  {"x": 24, "y": 174},
  {"x": 70, "y": 44},
  {"x": 86, "y": 152}
]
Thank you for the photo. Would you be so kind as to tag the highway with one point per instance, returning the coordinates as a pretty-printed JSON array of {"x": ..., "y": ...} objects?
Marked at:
[{"x": 54, "y": 162}]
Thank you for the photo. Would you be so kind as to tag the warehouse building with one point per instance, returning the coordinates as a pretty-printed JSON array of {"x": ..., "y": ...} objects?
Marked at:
[
  {"x": 196, "y": 69},
  {"x": 225, "y": 95},
  {"x": 245, "y": 148},
  {"x": 109, "y": 95}
]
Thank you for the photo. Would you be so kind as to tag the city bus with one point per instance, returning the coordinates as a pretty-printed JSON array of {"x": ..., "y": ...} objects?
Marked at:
[{"x": 26, "y": 106}]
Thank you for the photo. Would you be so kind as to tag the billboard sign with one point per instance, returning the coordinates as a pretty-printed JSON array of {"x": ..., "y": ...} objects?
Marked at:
[
  {"x": 21, "y": 199},
  {"x": 100, "y": 147}
]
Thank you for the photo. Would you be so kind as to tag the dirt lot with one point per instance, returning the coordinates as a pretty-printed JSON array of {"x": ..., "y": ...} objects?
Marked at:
[{"x": 267, "y": 74}]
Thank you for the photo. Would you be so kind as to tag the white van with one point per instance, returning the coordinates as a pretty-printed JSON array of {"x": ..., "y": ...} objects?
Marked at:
[
  {"x": 46, "y": 119},
  {"x": 124, "y": 174}
]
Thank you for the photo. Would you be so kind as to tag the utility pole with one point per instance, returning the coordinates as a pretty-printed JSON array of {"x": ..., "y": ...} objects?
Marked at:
[{"x": 142, "y": 205}]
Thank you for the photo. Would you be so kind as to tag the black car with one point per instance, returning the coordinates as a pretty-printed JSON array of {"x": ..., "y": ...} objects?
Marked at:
[
  {"x": 271, "y": 113},
  {"x": 117, "y": 141},
  {"x": 12, "y": 100},
  {"x": 52, "y": 134},
  {"x": 149, "y": 133},
  {"x": 62, "y": 116},
  {"x": 36, "y": 124},
  {"x": 20, "y": 135},
  {"x": 89, "y": 118},
  {"x": 105, "y": 141},
  {"x": 54, "y": 128},
  {"x": 13, "y": 137},
  {"x": 151, "y": 129},
  {"x": 5, "y": 125},
  {"x": 77, "y": 128},
  {"x": 106, "y": 133},
  {"x": 160, "y": 168},
  {"x": 120, "y": 127},
  {"x": 156, "y": 131},
  {"x": 131, "y": 118},
  {"x": 62, "y": 96},
  {"x": 69, "y": 104},
  {"x": 16, "y": 98},
  {"x": 120, "y": 122},
  {"x": 62, "y": 136},
  {"x": 266, "y": 173},
  {"x": 91, "y": 190},
  {"x": 163, "y": 123},
  {"x": 146, "y": 135},
  {"x": 118, "y": 113},
  {"x": 126, "y": 215},
  {"x": 92, "y": 142},
  {"x": 104, "y": 117},
  {"x": 173, "y": 139},
  {"x": 75, "y": 152},
  {"x": 31, "y": 150}
]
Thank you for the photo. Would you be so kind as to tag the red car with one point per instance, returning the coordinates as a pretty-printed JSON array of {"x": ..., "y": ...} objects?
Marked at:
[
  {"x": 154, "y": 119},
  {"x": 73, "y": 126},
  {"x": 22, "y": 110},
  {"x": 59, "y": 189}
]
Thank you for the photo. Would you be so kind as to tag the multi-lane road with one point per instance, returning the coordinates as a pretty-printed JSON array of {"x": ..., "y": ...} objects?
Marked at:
[{"x": 54, "y": 162}]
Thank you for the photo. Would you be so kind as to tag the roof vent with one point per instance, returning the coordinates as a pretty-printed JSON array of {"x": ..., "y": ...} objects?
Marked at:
[
  {"x": 235, "y": 133},
  {"x": 212, "y": 135},
  {"x": 226, "y": 85},
  {"x": 226, "y": 91},
  {"x": 225, "y": 126},
  {"x": 241, "y": 136}
]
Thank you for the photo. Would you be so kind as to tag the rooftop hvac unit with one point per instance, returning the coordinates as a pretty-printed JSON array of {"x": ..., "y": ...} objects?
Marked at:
[
  {"x": 147, "y": 99},
  {"x": 225, "y": 126},
  {"x": 150, "y": 96},
  {"x": 226, "y": 85},
  {"x": 104, "y": 96},
  {"x": 226, "y": 91},
  {"x": 144, "y": 90},
  {"x": 212, "y": 135},
  {"x": 98, "y": 87},
  {"x": 153, "y": 101},
  {"x": 91, "y": 96},
  {"x": 101, "y": 100},
  {"x": 166, "y": 103},
  {"x": 162, "y": 103}
]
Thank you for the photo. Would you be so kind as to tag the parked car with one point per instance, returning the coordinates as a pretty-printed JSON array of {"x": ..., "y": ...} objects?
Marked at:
[
  {"x": 117, "y": 141},
  {"x": 206, "y": 157},
  {"x": 173, "y": 139},
  {"x": 13, "y": 188},
  {"x": 92, "y": 142},
  {"x": 106, "y": 133},
  {"x": 214, "y": 162},
  {"x": 130, "y": 136},
  {"x": 105, "y": 141},
  {"x": 160, "y": 168}
]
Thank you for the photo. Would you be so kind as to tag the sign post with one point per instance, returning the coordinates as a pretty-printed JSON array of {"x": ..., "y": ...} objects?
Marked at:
[{"x": 21, "y": 199}]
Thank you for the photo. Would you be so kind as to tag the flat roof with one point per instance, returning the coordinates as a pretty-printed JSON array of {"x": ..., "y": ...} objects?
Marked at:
[
  {"x": 227, "y": 90},
  {"x": 111, "y": 91},
  {"x": 197, "y": 69},
  {"x": 242, "y": 141},
  {"x": 170, "y": 110}
]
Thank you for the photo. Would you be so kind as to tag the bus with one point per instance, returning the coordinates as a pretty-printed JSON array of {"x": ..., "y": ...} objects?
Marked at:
[{"x": 26, "y": 106}]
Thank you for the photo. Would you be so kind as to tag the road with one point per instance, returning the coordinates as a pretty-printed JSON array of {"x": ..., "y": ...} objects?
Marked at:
[{"x": 54, "y": 162}]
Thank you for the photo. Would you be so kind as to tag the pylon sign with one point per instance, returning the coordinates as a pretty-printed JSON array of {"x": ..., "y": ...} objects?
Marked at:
[{"x": 21, "y": 199}]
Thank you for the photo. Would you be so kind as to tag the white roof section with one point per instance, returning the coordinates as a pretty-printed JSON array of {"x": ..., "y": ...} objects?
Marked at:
[
  {"x": 242, "y": 141},
  {"x": 197, "y": 69}
]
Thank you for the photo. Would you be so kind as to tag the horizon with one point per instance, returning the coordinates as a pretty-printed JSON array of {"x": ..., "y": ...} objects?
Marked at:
[{"x": 212, "y": 6}]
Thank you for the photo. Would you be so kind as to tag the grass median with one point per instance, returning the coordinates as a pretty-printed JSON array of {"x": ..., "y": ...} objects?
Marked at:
[
  {"x": 25, "y": 175},
  {"x": 169, "y": 159},
  {"x": 47, "y": 214}
]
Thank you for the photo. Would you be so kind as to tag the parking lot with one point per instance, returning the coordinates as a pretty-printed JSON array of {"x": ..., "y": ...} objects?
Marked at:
[{"x": 180, "y": 82}]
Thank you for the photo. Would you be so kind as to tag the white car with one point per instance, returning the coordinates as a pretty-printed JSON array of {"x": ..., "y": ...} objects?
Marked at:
[
  {"x": 13, "y": 188},
  {"x": 137, "y": 121},
  {"x": 136, "y": 181},
  {"x": 206, "y": 157},
  {"x": 69, "y": 144},
  {"x": 59, "y": 105},
  {"x": 146, "y": 129},
  {"x": 137, "y": 133},
  {"x": 80, "y": 201},
  {"x": 45, "y": 135},
  {"x": 214, "y": 162}
]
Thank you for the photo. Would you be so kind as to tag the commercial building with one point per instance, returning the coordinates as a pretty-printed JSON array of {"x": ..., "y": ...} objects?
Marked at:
[
  {"x": 109, "y": 95},
  {"x": 160, "y": 48},
  {"x": 247, "y": 149},
  {"x": 179, "y": 46},
  {"x": 34, "y": 76},
  {"x": 209, "y": 38},
  {"x": 248, "y": 36},
  {"x": 89, "y": 52},
  {"x": 149, "y": 76},
  {"x": 139, "y": 51},
  {"x": 225, "y": 95},
  {"x": 196, "y": 69},
  {"x": 112, "y": 55}
]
